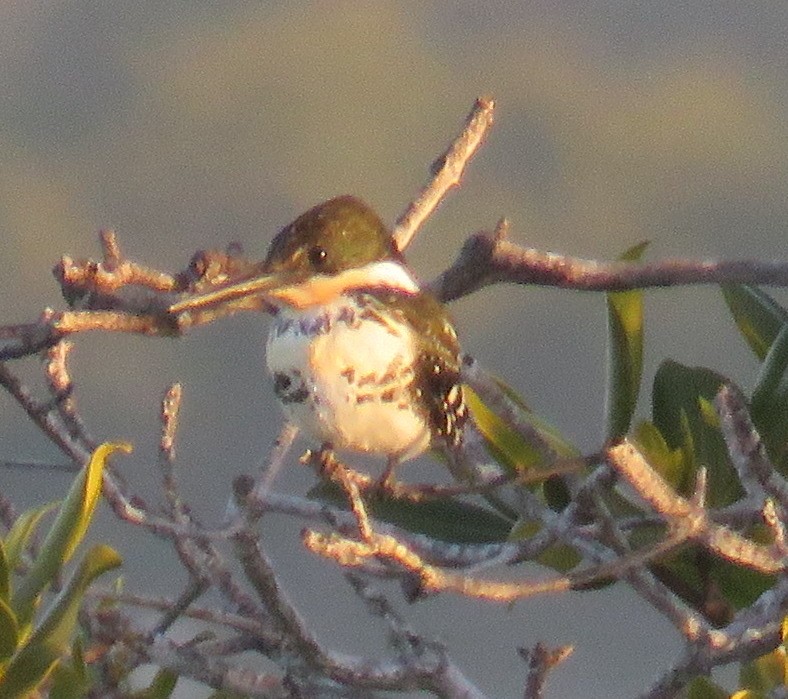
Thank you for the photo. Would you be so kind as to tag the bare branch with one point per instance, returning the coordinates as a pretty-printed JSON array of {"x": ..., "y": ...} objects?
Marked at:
[
  {"x": 447, "y": 172},
  {"x": 490, "y": 258},
  {"x": 746, "y": 448}
]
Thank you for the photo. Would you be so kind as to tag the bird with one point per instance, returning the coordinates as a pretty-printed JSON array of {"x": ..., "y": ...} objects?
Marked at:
[{"x": 362, "y": 358}]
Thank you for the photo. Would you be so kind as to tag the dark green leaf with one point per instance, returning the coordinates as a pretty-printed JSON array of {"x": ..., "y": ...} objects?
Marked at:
[
  {"x": 769, "y": 405},
  {"x": 162, "y": 686},
  {"x": 558, "y": 557},
  {"x": 680, "y": 414},
  {"x": 758, "y": 316},
  {"x": 454, "y": 521}
]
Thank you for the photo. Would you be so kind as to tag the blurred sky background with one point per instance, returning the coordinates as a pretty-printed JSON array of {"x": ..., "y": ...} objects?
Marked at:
[{"x": 187, "y": 125}]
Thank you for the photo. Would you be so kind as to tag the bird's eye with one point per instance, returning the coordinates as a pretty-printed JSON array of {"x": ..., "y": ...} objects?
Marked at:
[{"x": 317, "y": 256}]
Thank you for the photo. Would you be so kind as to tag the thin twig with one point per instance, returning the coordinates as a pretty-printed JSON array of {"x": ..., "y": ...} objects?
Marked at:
[
  {"x": 745, "y": 446},
  {"x": 541, "y": 660},
  {"x": 447, "y": 172}
]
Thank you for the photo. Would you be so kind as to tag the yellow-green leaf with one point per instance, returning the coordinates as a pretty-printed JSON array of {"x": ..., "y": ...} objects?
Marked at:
[
  {"x": 9, "y": 631},
  {"x": 508, "y": 447},
  {"x": 764, "y": 673},
  {"x": 505, "y": 444},
  {"x": 38, "y": 657},
  {"x": 669, "y": 463},
  {"x": 5, "y": 574},
  {"x": 22, "y": 530},
  {"x": 91, "y": 492},
  {"x": 702, "y": 687},
  {"x": 67, "y": 530},
  {"x": 625, "y": 352}
]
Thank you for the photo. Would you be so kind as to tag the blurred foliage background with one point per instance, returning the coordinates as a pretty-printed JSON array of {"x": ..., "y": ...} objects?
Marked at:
[{"x": 187, "y": 125}]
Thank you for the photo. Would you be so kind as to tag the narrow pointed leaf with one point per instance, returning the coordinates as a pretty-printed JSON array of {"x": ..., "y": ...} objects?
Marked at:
[
  {"x": 5, "y": 574},
  {"x": 22, "y": 530},
  {"x": 768, "y": 385},
  {"x": 51, "y": 638},
  {"x": 769, "y": 404},
  {"x": 508, "y": 447},
  {"x": 67, "y": 530},
  {"x": 454, "y": 521},
  {"x": 758, "y": 316},
  {"x": 625, "y": 352},
  {"x": 70, "y": 680},
  {"x": 9, "y": 631}
]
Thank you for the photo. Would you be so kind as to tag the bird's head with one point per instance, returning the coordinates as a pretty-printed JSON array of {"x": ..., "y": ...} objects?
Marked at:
[{"x": 336, "y": 246}]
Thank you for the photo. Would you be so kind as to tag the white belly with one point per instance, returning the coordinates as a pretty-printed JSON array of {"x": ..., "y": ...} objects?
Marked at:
[{"x": 345, "y": 379}]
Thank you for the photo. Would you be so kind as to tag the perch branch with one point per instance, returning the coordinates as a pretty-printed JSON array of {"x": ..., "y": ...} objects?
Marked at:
[{"x": 490, "y": 258}]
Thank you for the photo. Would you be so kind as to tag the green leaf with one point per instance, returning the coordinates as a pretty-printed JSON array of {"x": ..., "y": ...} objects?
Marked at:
[
  {"x": 758, "y": 316},
  {"x": 67, "y": 530},
  {"x": 679, "y": 413},
  {"x": 625, "y": 352},
  {"x": 9, "y": 631},
  {"x": 5, "y": 574},
  {"x": 669, "y": 463},
  {"x": 506, "y": 445},
  {"x": 764, "y": 673},
  {"x": 71, "y": 680},
  {"x": 740, "y": 586},
  {"x": 768, "y": 384},
  {"x": 703, "y": 688},
  {"x": 769, "y": 404},
  {"x": 22, "y": 530},
  {"x": 162, "y": 686},
  {"x": 559, "y": 557},
  {"x": 50, "y": 640},
  {"x": 449, "y": 520}
]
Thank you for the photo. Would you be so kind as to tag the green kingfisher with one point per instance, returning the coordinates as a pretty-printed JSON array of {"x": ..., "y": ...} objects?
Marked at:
[{"x": 362, "y": 358}]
